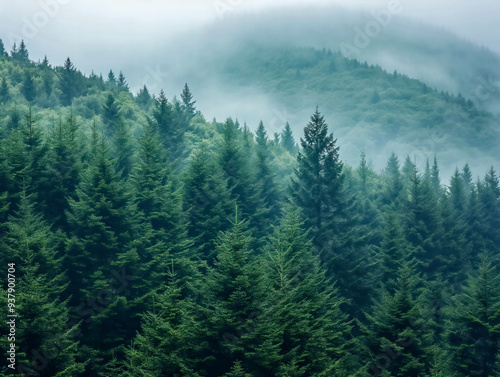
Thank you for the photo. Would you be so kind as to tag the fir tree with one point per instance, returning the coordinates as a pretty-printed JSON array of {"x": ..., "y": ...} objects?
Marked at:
[
  {"x": 187, "y": 102},
  {"x": 122, "y": 82},
  {"x": 3, "y": 52},
  {"x": 67, "y": 83},
  {"x": 287, "y": 140},
  {"x": 208, "y": 202},
  {"x": 473, "y": 336},
  {"x": 111, "y": 114},
  {"x": 28, "y": 88},
  {"x": 395, "y": 335},
  {"x": 4, "y": 91},
  {"x": 144, "y": 98}
]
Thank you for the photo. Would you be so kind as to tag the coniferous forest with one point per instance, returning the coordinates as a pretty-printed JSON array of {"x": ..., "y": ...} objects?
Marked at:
[{"x": 149, "y": 241}]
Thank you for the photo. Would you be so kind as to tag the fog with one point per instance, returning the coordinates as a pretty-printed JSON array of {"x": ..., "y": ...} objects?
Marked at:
[{"x": 450, "y": 45}]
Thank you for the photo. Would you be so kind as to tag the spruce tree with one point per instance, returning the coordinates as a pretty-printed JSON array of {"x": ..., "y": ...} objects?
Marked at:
[
  {"x": 28, "y": 88},
  {"x": 473, "y": 334},
  {"x": 111, "y": 114},
  {"x": 231, "y": 303},
  {"x": 266, "y": 176},
  {"x": 287, "y": 140},
  {"x": 311, "y": 333},
  {"x": 67, "y": 83},
  {"x": 144, "y": 98},
  {"x": 4, "y": 90},
  {"x": 208, "y": 203},
  {"x": 188, "y": 104},
  {"x": 122, "y": 82},
  {"x": 3, "y": 52},
  {"x": 395, "y": 335},
  {"x": 45, "y": 336},
  {"x": 61, "y": 174}
]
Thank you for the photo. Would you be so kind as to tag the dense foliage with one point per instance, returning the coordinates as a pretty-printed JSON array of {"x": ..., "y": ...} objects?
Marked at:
[{"x": 151, "y": 242}]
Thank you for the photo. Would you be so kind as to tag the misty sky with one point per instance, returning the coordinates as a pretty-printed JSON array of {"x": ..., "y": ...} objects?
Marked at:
[{"x": 97, "y": 33}]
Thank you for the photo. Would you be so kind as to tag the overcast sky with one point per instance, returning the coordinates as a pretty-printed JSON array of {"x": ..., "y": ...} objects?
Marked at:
[{"x": 97, "y": 32}]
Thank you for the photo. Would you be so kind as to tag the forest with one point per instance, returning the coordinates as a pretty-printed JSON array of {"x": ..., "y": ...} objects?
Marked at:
[{"x": 149, "y": 241}]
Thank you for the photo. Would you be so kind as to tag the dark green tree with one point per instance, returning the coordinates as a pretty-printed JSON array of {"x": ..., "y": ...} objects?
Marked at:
[
  {"x": 287, "y": 140},
  {"x": 122, "y": 82},
  {"x": 473, "y": 334},
  {"x": 4, "y": 90},
  {"x": 28, "y": 87},
  {"x": 67, "y": 84},
  {"x": 208, "y": 203},
  {"x": 395, "y": 336},
  {"x": 111, "y": 114},
  {"x": 188, "y": 104},
  {"x": 144, "y": 98}
]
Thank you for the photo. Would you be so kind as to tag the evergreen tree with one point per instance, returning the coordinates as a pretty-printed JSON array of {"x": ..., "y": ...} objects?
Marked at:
[
  {"x": 111, "y": 114},
  {"x": 310, "y": 332},
  {"x": 122, "y": 82},
  {"x": 232, "y": 299},
  {"x": 67, "y": 83},
  {"x": 489, "y": 197},
  {"x": 208, "y": 204},
  {"x": 144, "y": 98},
  {"x": 187, "y": 102},
  {"x": 123, "y": 148},
  {"x": 473, "y": 329},
  {"x": 4, "y": 91},
  {"x": 44, "y": 328},
  {"x": 287, "y": 140},
  {"x": 61, "y": 172},
  {"x": 28, "y": 88},
  {"x": 111, "y": 78},
  {"x": 163, "y": 345},
  {"x": 435, "y": 180},
  {"x": 172, "y": 137},
  {"x": 395, "y": 336},
  {"x": 21, "y": 54},
  {"x": 240, "y": 180},
  {"x": 266, "y": 176},
  {"x": 317, "y": 187},
  {"x": 3, "y": 52}
]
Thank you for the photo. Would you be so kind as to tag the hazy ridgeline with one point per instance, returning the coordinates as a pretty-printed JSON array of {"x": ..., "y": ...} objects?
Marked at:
[{"x": 151, "y": 239}]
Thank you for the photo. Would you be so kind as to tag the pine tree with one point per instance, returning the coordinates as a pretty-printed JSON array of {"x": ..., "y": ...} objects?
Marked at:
[
  {"x": 310, "y": 332},
  {"x": 232, "y": 299},
  {"x": 208, "y": 202},
  {"x": 422, "y": 223},
  {"x": 45, "y": 328},
  {"x": 28, "y": 88},
  {"x": 21, "y": 54},
  {"x": 473, "y": 334},
  {"x": 144, "y": 98},
  {"x": 123, "y": 149},
  {"x": 61, "y": 173},
  {"x": 4, "y": 91},
  {"x": 122, "y": 82},
  {"x": 68, "y": 84},
  {"x": 165, "y": 342},
  {"x": 187, "y": 102},
  {"x": 3, "y": 52},
  {"x": 287, "y": 140},
  {"x": 172, "y": 138},
  {"x": 111, "y": 114},
  {"x": 240, "y": 180},
  {"x": 266, "y": 176},
  {"x": 396, "y": 338},
  {"x": 317, "y": 187},
  {"x": 111, "y": 78},
  {"x": 435, "y": 180},
  {"x": 489, "y": 197}
]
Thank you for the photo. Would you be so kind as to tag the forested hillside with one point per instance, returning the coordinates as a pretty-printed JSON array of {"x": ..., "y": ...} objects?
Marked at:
[{"x": 148, "y": 241}]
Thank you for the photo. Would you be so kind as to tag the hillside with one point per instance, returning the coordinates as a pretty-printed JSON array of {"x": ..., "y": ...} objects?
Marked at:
[{"x": 141, "y": 239}]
